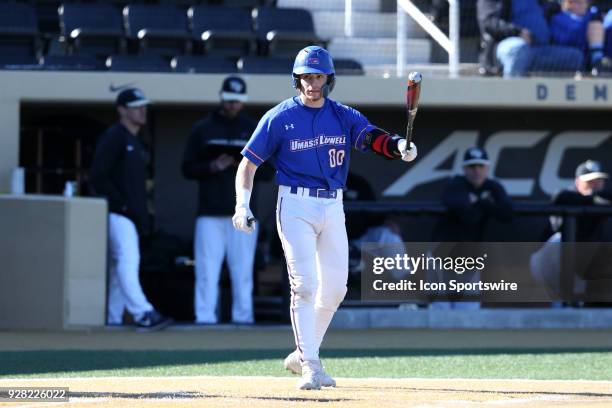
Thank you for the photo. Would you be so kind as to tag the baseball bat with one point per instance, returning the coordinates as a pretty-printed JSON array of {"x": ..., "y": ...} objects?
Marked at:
[{"x": 413, "y": 91}]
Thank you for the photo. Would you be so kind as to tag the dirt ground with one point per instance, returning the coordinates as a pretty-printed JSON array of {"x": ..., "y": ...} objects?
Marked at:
[
  {"x": 271, "y": 392},
  {"x": 280, "y": 391}
]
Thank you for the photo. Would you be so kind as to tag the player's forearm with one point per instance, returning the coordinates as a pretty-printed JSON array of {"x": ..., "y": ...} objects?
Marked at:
[{"x": 244, "y": 182}]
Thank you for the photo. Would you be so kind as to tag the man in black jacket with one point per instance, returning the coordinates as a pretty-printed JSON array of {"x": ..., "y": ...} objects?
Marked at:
[
  {"x": 211, "y": 157},
  {"x": 589, "y": 191},
  {"x": 118, "y": 173},
  {"x": 591, "y": 264},
  {"x": 516, "y": 38},
  {"x": 471, "y": 200}
]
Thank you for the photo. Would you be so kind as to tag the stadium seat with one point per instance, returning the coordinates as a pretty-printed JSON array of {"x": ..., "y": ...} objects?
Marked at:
[
  {"x": 283, "y": 31},
  {"x": 18, "y": 30},
  {"x": 204, "y": 64},
  {"x": 223, "y": 30},
  {"x": 18, "y": 62},
  {"x": 348, "y": 67},
  {"x": 138, "y": 63},
  {"x": 95, "y": 29},
  {"x": 248, "y": 4},
  {"x": 72, "y": 63},
  {"x": 266, "y": 65},
  {"x": 157, "y": 29},
  {"x": 47, "y": 16}
]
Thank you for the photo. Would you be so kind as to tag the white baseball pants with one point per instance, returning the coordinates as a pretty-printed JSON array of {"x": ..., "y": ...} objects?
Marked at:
[
  {"x": 313, "y": 234},
  {"x": 124, "y": 290},
  {"x": 215, "y": 237}
]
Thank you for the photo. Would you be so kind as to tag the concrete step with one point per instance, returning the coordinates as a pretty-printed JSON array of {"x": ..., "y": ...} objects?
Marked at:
[
  {"x": 376, "y": 51},
  {"x": 330, "y": 24},
  {"x": 528, "y": 318},
  {"x": 335, "y": 5}
]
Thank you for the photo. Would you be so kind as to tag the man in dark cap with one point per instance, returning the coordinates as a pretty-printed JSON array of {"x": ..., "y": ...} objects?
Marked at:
[
  {"x": 118, "y": 173},
  {"x": 589, "y": 190},
  {"x": 211, "y": 157},
  {"x": 591, "y": 262},
  {"x": 471, "y": 200}
]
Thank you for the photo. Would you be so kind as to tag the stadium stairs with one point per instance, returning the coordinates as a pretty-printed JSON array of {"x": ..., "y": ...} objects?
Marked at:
[{"x": 373, "y": 42}]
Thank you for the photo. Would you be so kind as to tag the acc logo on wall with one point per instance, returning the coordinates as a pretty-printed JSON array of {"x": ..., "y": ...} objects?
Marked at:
[{"x": 545, "y": 170}]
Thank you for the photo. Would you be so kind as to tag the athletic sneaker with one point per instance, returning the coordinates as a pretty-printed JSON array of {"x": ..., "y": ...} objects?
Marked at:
[
  {"x": 311, "y": 375},
  {"x": 292, "y": 363},
  {"x": 153, "y": 320}
]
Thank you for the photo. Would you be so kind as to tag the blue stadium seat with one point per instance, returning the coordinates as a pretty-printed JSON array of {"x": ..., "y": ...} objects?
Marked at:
[
  {"x": 348, "y": 67},
  {"x": 72, "y": 63},
  {"x": 18, "y": 30},
  {"x": 223, "y": 30},
  {"x": 138, "y": 63},
  {"x": 158, "y": 29},
  {"x": 266, "y": 65},
  {"x": 283, "y": 31},
  {"x": 95, "y": 29},
  {"x": 204, "y": 64},
  {"x": 249, "y": 4},
  {"x": 47, "y": 16},
  {"x": 18, "y": 62}
]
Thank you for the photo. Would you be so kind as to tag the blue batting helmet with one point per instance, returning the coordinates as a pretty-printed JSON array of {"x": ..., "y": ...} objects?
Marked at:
[{"x": 314, "y": 60}]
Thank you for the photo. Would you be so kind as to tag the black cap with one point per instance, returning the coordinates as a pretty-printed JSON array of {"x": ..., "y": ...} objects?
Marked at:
[
  {"x": 590, "y": 170},
  {"x": 234, "y": 89},
  {"x": 132, "y": 98},
  {"x": 475, "y": 155}
]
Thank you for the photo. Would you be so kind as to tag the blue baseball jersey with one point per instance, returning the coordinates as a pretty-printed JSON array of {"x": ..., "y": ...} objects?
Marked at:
[
  {"x": 309, "y": 147},
  {"x": 571, "y": 29},
  {"x": 608, "y": 27}
]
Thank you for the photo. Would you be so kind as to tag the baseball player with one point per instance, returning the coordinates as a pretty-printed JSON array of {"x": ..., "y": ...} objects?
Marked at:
[{"x": 309, "y": 138}]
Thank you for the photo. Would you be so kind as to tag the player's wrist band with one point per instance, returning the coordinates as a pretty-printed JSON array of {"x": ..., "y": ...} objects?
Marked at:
[{"x": 243, "y": 197}]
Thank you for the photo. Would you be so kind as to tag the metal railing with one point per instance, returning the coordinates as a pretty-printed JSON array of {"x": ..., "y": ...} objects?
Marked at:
[
  {"x": 450, "y": 44},
  {"x": 570, "y": 216}
]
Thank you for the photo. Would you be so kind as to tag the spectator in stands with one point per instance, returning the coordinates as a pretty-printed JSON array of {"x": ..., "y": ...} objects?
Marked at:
[
  {"x": 471, "y": 200},
  {"x": 516, "y": 36},
  {"x": 607, "y": 24},
  {"x": 211, "y": 157},
  {"x": 119, "y": 173},
  {"x": 588, "y": 190},
  {"x": 579, "y": 26}
]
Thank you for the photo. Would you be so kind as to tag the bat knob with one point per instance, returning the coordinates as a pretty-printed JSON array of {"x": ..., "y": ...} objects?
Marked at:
[
  {"x": 251, "y": 221},
  {"x": 415, "y": 77}
]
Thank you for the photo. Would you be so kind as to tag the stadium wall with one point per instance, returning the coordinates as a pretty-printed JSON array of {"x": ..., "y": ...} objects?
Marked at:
[
  {"x": 53, "y": 262},
  {"x": 362, "y": 92}
]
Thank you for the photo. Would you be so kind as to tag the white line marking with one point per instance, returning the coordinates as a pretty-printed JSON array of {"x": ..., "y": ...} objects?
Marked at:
[{"x": 260, "y": 377}]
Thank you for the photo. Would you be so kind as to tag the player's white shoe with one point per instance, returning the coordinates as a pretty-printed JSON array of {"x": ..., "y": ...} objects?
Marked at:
[
  {"x": 292, "y": 363},
  {"x": 311, "y": 376}
]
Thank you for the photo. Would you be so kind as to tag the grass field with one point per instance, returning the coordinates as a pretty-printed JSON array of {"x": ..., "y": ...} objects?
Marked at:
[
  {"x": 524, "y": 364},
  {"x": 237, "y": 367}
]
